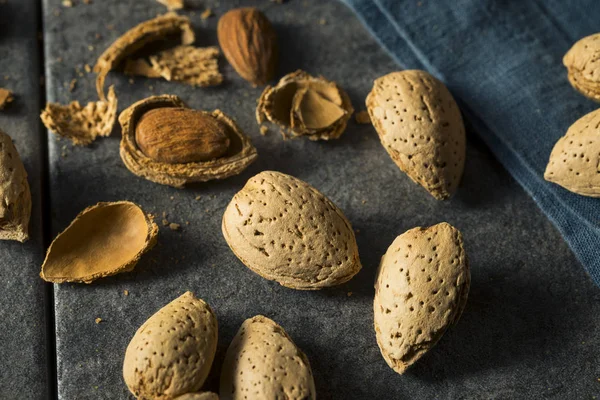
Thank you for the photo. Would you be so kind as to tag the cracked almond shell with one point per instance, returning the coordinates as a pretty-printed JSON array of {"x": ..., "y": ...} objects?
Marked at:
[
  {"x": 575, "y": 159},
  {"x": 170, "y": 355},
  {"x": 302, "y": 105},
  {"x": 15, "y": 197},
  {"x": 287, "y": 231},
  {"x": 239, "y": 155},
  {"x": 262, "y": 362},
  {"x": 103, "y": 240},
  {"x": 421, "y": 289},
  {"x": 420, "y": 126}
]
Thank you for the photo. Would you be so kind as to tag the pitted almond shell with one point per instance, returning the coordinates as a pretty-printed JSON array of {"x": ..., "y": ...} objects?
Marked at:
[
  {"x": 103, "y": 240},
  {"x": 172, "y": 352},
  {"x": 136, "y": 38},
  {"x": 583, "y": 66},
  {"x": 575, "y": 159},
  {"x": 199, "y": 396},
  {"x": 420, "y": 126},
  {"x": 287, "y": 231},
  {"x": 302, "y": 105},
  {"x": 421, "y": 289},
  {"x": 239, "y": 155},
  {"x": 15, "y": 197},
  {"x": 262, "y": 362}
]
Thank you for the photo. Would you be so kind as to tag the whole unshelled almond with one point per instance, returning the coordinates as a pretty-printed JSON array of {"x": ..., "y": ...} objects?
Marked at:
[
  {"x": 180, "y": 135},
  {"x": 249, "y": 43}
]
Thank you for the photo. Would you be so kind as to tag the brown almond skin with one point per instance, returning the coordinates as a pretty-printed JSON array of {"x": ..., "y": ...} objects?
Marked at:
[
  {"x": 180, "y": 135},
  {"x": 249, "y": 43}
]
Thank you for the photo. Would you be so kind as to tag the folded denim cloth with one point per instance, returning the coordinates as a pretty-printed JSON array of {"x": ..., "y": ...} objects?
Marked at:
[{"x": 502, "y": 60}]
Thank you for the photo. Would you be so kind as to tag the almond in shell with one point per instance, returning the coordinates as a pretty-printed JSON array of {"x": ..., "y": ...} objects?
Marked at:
[
  {"x": 285, "y": 230},
  {"x": 421, "y": 289},
  {"x": 420, "y": 126},
  {"x": 583, "y": 66}
]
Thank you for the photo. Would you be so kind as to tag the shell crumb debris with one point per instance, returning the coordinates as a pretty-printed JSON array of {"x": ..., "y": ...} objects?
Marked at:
[
  {"x": 126, "y": 292},
  {"x": 206, "y": 14},
  {"x": 174, "y": 227},
  {"x": 264, "y": 130},
  {"x": 6, "y": 97},
  {"x": 362, "y": 117},
  {"x": 98, "y": 320}
]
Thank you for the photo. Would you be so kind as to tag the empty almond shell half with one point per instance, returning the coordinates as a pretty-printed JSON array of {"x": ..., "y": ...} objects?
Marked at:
[
  {"x": 103, "y": 240},
  {"x": 239, "y": 155}
]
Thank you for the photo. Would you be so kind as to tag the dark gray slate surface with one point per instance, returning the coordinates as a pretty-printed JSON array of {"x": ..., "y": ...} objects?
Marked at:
[
  {"x": 529, "y": 329},
  {"x": 23, "y": 364}
]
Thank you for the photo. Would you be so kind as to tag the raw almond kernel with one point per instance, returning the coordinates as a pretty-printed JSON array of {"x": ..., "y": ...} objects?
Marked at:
[
  {"x": 303, "y": 105},
  {"x": 285, "y": 230},
  {"x": 103, "y": 240},
  {"x": 421, "y": 289},
  {"x": 575, "y": 160},
  {"x": 181, "y": 135},
  {"x": 249, "y": 43},
  {"x": 172, "y": 352},
  {"x": 420, "y": 126},
  {"x": 262, "y": 362},
  {"x": 583, "y": 66},
  {"x": 15, "y": 197}
]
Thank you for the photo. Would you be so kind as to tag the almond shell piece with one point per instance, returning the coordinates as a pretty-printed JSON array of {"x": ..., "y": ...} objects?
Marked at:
[
  {"x": 15, "y": 197},
  {"x": 82, "y": 125},
  {"x": 287, "y": 231},
  {"x": 136, "y": 38},
  {"x": 103, "y": 240},
  {"x": 421, "y": 289},
  {"x": 262, "y": 362},
  {"x": 240, "y": 154},
  {"x": 282, "y": 105},
  {"x": 575, "y": 159},
  {"x": 172, "y": 352},
  {"x": 196, "y": 66}
]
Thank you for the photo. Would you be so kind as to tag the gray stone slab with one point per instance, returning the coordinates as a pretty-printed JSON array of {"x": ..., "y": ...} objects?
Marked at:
[
  {"x": 23, "y": 365},
  {"x": 529, "y": 329}
]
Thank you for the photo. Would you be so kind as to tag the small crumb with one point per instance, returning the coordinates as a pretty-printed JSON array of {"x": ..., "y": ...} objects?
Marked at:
[
  {"x": 67, "y": 3},
  {"x": 59, "y": 59},
  {"x": 151, "y": 88},
  {"x": 362, "y": 117},
  {"x": 198, "y": 197},
  {"x": 98, "y": 36},
  {"x": 126, "y": 292},
  {"x": 87, "y": 1},
  {"x": 206, "y": 14},
  {"x": 131, "y": 81},
  {"x": 98, "y": 320},
  {"x": 56, "y": 12},
  {"x": 87, "y": 68},
  {"x": 264, "y": 130},
  {"x": 110, "y": 27},
  {"x": 90, "y": 47},
  {"x": 364, "y": 202},
  {"x": 174, "y": 227},
  {"x": 172, "y": 197},
  {"x": 349, "y": 294},
  {"x": 165, "y": 222},
  {"x": 357, "y": 231},
  {"x": 322, "y": 21},
  {"x": 6, "y": 97},
  {"x": 72, "y": 85},
  {"x": 187, "y": 222}
]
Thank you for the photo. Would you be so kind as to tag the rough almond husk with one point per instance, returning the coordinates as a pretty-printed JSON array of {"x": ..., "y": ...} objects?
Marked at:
[
  {"x": 239, "y": 155},
  {"x": 103, "y": 240},
  {"x": 136, "y": 38},
  {"x": 421, "y": 289},
  {"x": 575, "y": 159},
  {"x": 249, "y": 43},
  {"x": 82, "y": 125},
  {"x": 583, "y": 66},
  {"x": 262, "y": 362},
  {"x": 421, "y": 127},
  {"x": 6, "y": 97},
  {"x": 171, "y": 353},
  {"x": 287, "y": 231},
  {"x": 15, "y": 197},
  {"x": 302, "y": 105}
]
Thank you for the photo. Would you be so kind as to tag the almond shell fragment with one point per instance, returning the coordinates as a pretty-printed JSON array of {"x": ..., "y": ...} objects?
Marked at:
[{"x": 103, "y": 240}]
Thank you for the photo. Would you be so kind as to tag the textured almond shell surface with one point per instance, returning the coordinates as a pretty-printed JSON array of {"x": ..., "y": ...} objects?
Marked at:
[
  {"x": 262, "y": 362},
  {"x": 583, "y": 65},
  {"x": 196, "y": 66},
  {"x": 285, "y": 105},
  {"x": 575, "y": 159},
  {"x": 239, "y": 155},
  {"x": 82, "y": 125},
  {"x": 421, "y": 289},
  {"x": 136, "y": 38},
  {"x": 285, "y": 230},
  {"x": 420, "y": 126},
  {"x": 103, "y": 240},
  {"x": 249, "y": 43},
  {"x": 172, "y": 352},
  {"x": 15, "y": 197}
]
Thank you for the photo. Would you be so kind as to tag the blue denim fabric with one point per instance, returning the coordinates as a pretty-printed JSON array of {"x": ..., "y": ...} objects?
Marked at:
[{"x": 502, "y": 60}]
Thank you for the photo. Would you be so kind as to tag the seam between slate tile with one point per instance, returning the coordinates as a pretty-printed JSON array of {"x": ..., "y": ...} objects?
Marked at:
[{"x": 51, "y": 358}]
